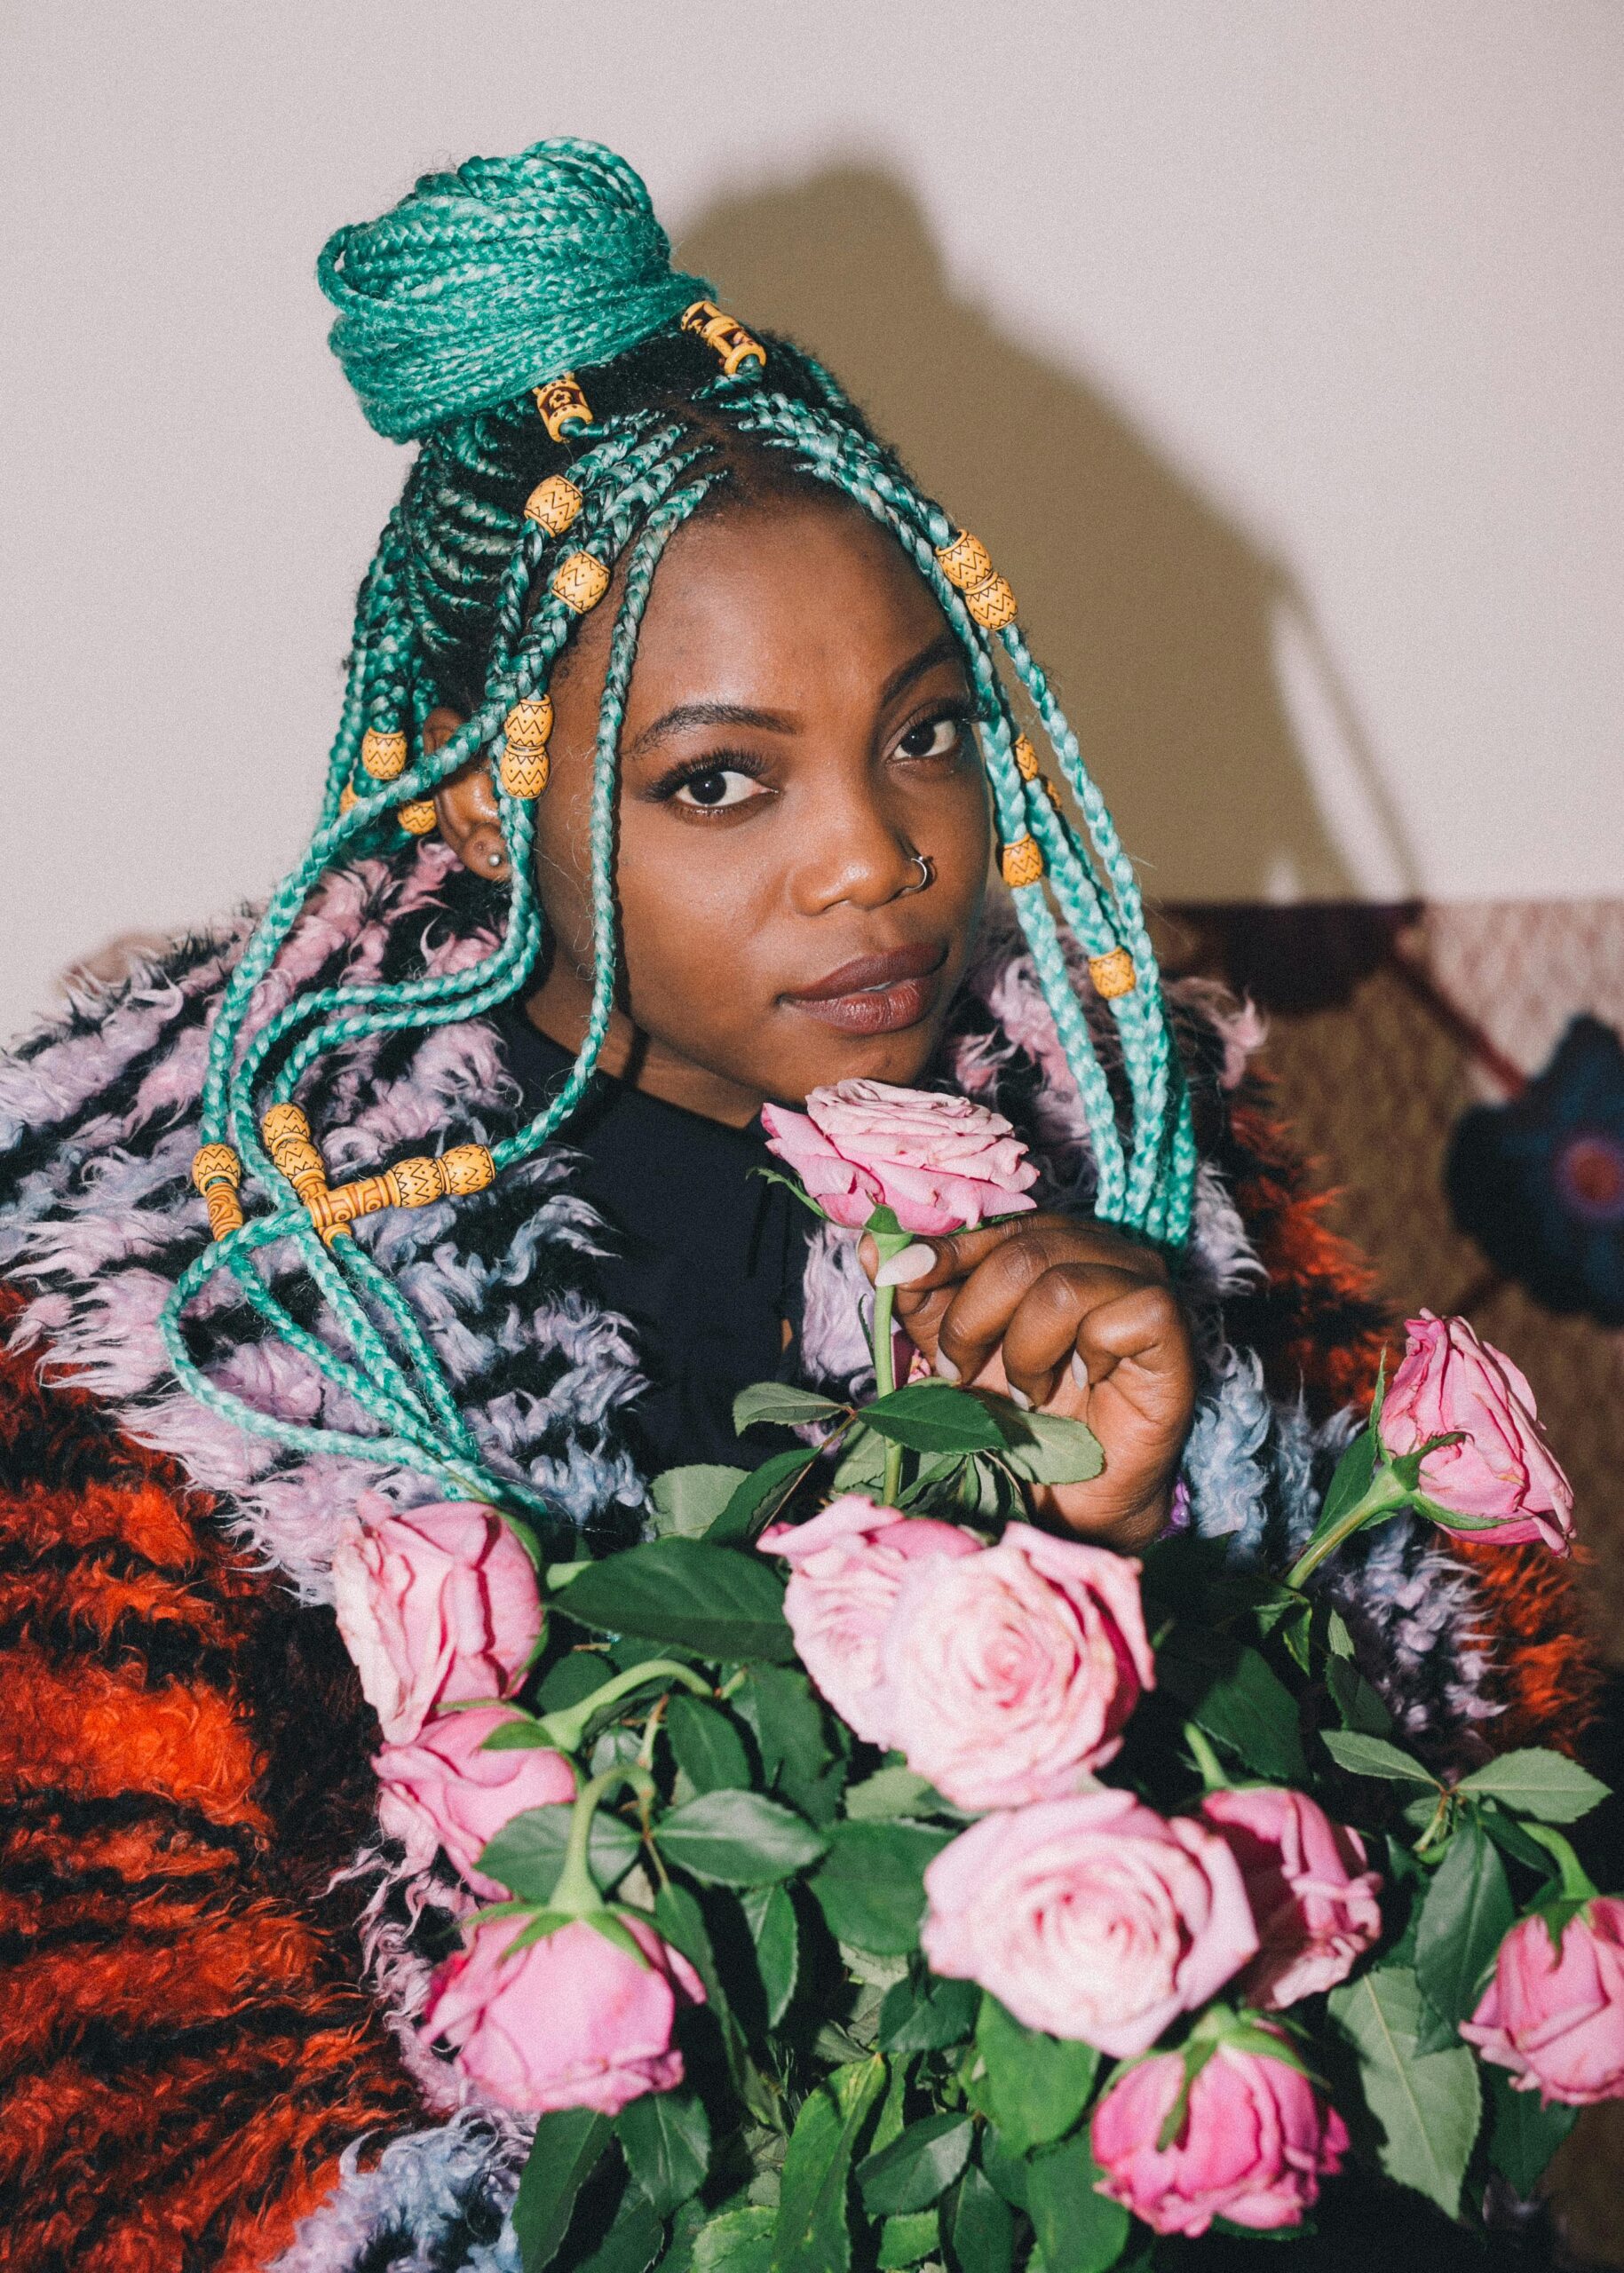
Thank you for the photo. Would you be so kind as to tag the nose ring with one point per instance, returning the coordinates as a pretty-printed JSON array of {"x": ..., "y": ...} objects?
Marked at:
[{"x": 926, "y": 872}]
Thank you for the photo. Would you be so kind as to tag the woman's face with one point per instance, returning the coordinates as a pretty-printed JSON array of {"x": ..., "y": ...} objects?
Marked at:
[{"x": 802, "y": 822}]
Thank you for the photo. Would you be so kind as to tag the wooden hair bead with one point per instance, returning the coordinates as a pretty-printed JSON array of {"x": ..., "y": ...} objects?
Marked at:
[
  {"x": 528, "y": 723},
  {"x": 721, "y": 332},
  {"x": 409, "y": 1183},
  {"x": 286, "y": 1133},
  {"x": 348, "y": 799},
  {"x": 217, "y": 1171},
  {"x": 1113, "y": 974},
  {"x": 1026, "y": 759},
  {"x": 992, "y": 603},
  {"x": 553, "y": 504},
  {"x": 418, "y": 817},
  {"x": 580, "y": 581},
  {"x": 1022, "y": 862},
  {"x": 384, "y": 755},
  {"x": 966, "y": 562},
  {"x": 523, "y": 771},
  {"x": 225, "y": 1210},
  {"x": 562, "y": 404}
]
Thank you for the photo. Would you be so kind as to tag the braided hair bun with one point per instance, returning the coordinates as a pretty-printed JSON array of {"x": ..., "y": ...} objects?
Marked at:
[{"x": 499, "y": 276}]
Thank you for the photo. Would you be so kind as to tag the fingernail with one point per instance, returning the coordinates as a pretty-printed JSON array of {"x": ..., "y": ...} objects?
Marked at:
[
  {"x": 1019, "y": 1396},
  {"x": 903, "y": 1268},
  {"x": 946, "y": 1367},
  {"x": 1080, "y": 1372}
]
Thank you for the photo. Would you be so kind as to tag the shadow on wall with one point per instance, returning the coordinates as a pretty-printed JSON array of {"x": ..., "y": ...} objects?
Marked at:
[{"x": 1156, "y": 616}]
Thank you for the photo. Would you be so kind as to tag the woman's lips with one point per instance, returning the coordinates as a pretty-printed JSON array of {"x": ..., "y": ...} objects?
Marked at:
[{"x": 875, "y": 994}]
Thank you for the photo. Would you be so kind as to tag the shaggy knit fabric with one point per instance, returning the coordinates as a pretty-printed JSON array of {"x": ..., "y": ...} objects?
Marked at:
[{"x": 194, "y": 1888}]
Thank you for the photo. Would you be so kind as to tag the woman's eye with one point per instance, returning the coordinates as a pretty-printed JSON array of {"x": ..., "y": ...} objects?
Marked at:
[
  {"x": 716, "y": 786},
  {"x": 932, "y": 738}
]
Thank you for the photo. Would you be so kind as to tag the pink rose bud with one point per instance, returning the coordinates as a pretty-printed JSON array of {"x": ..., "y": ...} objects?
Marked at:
[
  {"x": 846, "y": 1566},
  {"x": 570, "y": 2021},
  {"x": 435, "y": 1607},
  {"x": 1502, "y": 1470},
  {"x": 1092, "y": 1918},
  {"x": 1312, "y": 1898},
  {"x": 444, "y": 1791},
  {"x": 1007, "y": 1673},
  {"x": 940, "y": 1162},
  {"x": 1557, "y": 2022},
  {"x": 1254, "y": 2142}
]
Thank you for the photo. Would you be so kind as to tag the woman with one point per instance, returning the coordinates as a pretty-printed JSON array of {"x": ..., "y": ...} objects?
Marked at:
[{"x": 674, "y": 758}]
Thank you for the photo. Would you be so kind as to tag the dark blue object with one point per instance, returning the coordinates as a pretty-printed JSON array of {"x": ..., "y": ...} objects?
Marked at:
[{"x": 1538, "y": 1183}]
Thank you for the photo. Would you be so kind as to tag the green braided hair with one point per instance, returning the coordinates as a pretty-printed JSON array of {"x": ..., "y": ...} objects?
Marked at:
[{"x": 576, "y": 401}]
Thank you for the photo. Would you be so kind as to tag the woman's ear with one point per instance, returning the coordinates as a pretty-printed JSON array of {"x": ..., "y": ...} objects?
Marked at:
[{"x": 469, "y": 821}]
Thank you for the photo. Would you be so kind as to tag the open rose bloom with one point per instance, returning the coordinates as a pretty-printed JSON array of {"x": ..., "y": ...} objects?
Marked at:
[
  {"x": 572, "y": 2021},
  {"x": 942, "y": 1163},
  {"x": 436, "y": 1607},
  {"x": 1557, "y": 2022},
  {"x": 1254, "y": 2142},
  {"x": 1501, "y": 1473},
  {"x": 445, "y": 1791}
]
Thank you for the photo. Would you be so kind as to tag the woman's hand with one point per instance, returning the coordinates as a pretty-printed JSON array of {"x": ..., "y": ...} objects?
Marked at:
[{"x": 1072, "y": 1318}]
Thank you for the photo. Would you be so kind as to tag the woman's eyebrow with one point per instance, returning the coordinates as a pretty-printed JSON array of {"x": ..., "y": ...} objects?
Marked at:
[
  {"x": 944, "y": 650},
  {"x": 683, "y": 715}
]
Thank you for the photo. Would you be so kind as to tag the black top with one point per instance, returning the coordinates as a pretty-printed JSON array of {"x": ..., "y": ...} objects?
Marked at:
[{"x": 707, "y": 1258}]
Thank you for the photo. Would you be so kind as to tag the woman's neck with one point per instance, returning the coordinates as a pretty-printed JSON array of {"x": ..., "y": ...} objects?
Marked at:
[{"x": 561, "y": 1006}]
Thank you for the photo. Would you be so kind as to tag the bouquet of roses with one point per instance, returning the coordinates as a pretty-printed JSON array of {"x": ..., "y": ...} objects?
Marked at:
[{"x": 857, "y": 1873}]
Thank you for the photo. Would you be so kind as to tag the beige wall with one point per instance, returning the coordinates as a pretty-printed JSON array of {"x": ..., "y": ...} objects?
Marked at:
[{"x": 1276, "y": 346}]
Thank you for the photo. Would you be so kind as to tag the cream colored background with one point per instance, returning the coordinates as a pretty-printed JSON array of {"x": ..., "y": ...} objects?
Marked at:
[{"x": 1276, "y": 346}]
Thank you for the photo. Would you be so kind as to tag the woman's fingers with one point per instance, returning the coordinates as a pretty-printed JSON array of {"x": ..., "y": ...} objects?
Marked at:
[
  {"x": 1049, "y": 1300},
  {"x": 1140, "y": 1345},
  {"x": 950, "y": 1258}
]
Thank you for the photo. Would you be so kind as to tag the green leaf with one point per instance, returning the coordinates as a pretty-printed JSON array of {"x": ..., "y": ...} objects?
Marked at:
[
  {"x": 870, "y": 1886},
  {"x": 1467, "y": 1913},
  {"x": 790, "y": 1735},
  {"x": 1078, "y": 2230},
  {"x": 1523, "y": 2135},
  {"x": 1511, "y": 1839},
  {"x": 740, "y": 2241},
  {"x": 813, "y": 2234},
  {"x": 761, "y": 1495},
  {"x": 904, "y": 2241},
  {"x": 779, "y": 1404},
  {"x": 1360, "y": 1705},
  {"x": 1351, "y": 1479},
  {"x": 1248, "y": 1708},
  {"x": 687, "y": 1500},
  {"x": 862, "y": 1462},
  {"x": 527, "y": 1853},
  {"x": 563, "y": 2156},
  {"x": 631, "y": 2244},
  {"x": 1425, "y": 2105},
  {"x": 983, "y": 2230},
  {"x": 933, "y": 1417},
  {"x": 776, "y": 1937},
  {"x": 665, "y": 2137},
  {"x": 1037, "y": 2086},
  {"x": 709, "y": 1750},
  {"x": 1373, "y": 1756},
  {"x": 1047, "y": 1447},
  {"x": 925, "y": 2014},
  {"x": 888, "y": 1792},
  {"x": 1544, "y": 1785},
  {"x": 737, "y": 1838},
  {"x": 711, "y": 1599},
  {"x": 912, "y": 2172},
  {"x": 517, "y": 1736},
  {"x": 1005, "y": 2169}
]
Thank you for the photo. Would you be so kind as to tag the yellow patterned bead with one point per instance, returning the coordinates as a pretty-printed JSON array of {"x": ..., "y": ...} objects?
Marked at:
[
  {"x": 525, "y": 765},
  {"x": 384, "y": 755},
  {"x": 225, "y": 1210},
  {"x": 726, "y": 334},
  {"x": 524, "y": 773},
  {"x": 553, "y": 504},
  {"x": 347, "y": 801},
  {"x": 1026, "y": 759},
  {"x": 216, "y": 1164},
  {"x": 992, "y": 603},
  {"x": 1113, "y": 974},
  {"x": 418, "y": 818},
  {"x": 966, "y": 562},
  {"x": 468, "y": 1167},
  {"x": 562, "y": 404},
  {"x": 580, "y": 581},
  {"x": 528, "y": 723},
  {"x": 1022, "y": 862}
]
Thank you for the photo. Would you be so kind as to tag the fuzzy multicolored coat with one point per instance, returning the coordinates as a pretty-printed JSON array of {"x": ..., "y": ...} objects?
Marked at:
[{"x": 206, "y": 2057}]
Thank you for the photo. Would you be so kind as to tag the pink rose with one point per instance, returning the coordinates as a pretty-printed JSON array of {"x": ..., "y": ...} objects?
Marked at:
[
  {"x": 570, "y": 2021},
  {"x": 1558, "y": 2022},
  {"x": 1313, "y": 1900},
  {"x": 1502, "y": 1470},
  {"x": 1007, "y": 1673},
  {"x": 1091, "y": 1917},
  {"x": 846, "y": 1566},
  {"x": 435, "y": 1607},
  {"x": 941, "y": 1162},
  {"x": 443, "y": 1791},
  {"x": 1254, "y": 2142}
]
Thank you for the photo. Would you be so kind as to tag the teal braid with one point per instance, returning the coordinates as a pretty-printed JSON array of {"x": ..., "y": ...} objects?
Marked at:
[{"x": 499, "y": 276}]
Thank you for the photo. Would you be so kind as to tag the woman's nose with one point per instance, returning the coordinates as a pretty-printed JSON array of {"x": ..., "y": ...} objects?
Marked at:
[{"x": 854, "y": 854}]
